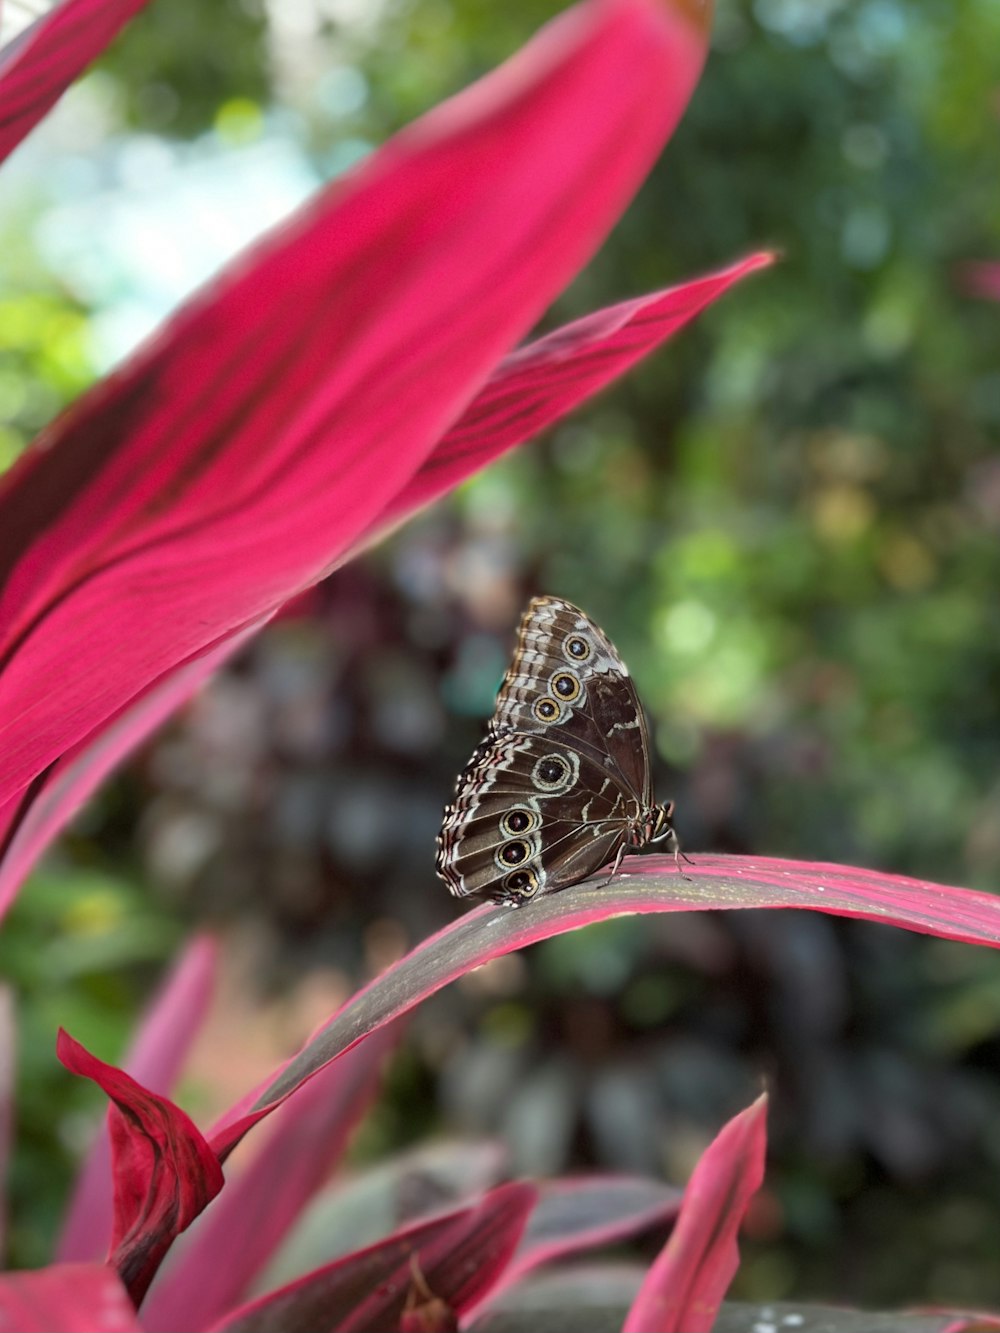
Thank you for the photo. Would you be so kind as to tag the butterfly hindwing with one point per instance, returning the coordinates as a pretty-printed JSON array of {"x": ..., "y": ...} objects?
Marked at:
[{"x": 530, "y": 814}]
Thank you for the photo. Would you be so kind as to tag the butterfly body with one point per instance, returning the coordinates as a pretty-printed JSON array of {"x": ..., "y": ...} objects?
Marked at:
[{"x": 561, "y": 784}]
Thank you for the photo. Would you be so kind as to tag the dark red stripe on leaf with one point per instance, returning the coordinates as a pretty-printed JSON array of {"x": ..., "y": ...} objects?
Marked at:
[
  {"x": 164, "y": 1171},
  {"x": 684, "y": 1288}
]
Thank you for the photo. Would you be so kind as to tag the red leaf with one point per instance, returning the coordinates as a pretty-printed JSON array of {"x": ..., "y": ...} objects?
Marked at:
[
  {"x": 73, "y": 1298},
  {"x": 154, "y": 1060},
  {"x": 692, "y": 1273},
  {"x": 459, "y": 1256},
  {"x": 712, "y": 883},
  {"x": 251, "y": 1216},
  {"x": 40, "y": 64},
  {"x": 164, "y": 1171},
  {"x": 237, "y": 457},
  {"x": 544, "y": 380},
  {"x": 530, "y": 389}
]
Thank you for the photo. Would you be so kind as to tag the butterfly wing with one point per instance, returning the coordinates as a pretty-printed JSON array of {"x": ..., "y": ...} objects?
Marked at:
[
  {"x": 568, "y": 679},
  {"x": 530, "y": 814}
]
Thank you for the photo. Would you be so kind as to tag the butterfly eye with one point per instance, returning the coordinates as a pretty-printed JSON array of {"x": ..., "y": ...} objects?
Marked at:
[
  {"x": 546, "y": 709},
  {"x": 553, "y": 774},
  {"x": 516, "y": 821},
  {"x": 566, "y": 685},
  {"x": 577, "y": 648},
  {"x": 513, "y": 853},
  {"x": 522, "y": 882}
]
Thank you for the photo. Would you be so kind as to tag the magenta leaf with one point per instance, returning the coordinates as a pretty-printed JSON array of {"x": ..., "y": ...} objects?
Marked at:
[
  {"x": 457, "y": 1258},
  {"x": 154, "y": 1060},
  {"x": 543, "y": 380},
  {"x": 711, "y": 883},
  {"x": 684, "y": 1288},
  {"x": 73, "y": 1298},
  {"x": 40, "y": 64},
  {"x": 253, "y": 1213},
  {"x": 164, "y": 1171},
  {"x": 238, "y": 456},
  {"x": 532, "y": 387}
]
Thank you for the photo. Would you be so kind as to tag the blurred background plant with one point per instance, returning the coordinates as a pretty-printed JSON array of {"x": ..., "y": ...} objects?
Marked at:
[{"x": 788, "y": 523}]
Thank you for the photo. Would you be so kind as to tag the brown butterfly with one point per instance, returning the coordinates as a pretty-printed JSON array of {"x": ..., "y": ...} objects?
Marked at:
[{"x": 561, "y": 785}]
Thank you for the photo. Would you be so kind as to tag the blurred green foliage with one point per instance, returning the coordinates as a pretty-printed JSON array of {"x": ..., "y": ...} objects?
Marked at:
[{"x": 787, "y": 520}]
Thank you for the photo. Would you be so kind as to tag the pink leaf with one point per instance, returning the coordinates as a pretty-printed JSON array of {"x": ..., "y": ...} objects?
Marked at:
[
  {"x": 238, "y": 456},
  {"x": 73, "y": 1298},
  {"x": 164, "y": 1171},
  {"x": 154, "y": 1060},
  {"x": 543, "y": 380},
  {"x": 40, "y": 64},
  {"x": 713, "y": 883},
  {"x": 531, "y": 388},
  {"x": 456, "y": 1257},
  {"x": 250, "y": 1217},
  {"x": 692, "y": 1273}
]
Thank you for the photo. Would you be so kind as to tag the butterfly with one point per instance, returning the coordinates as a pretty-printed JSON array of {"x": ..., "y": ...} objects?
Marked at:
[{"x": 561, "y": 784}]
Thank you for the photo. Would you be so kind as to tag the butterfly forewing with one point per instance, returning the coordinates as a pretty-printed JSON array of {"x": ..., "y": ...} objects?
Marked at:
[
  {"x": 567, "y": 674},
  {"x": 561, "y": 784}
]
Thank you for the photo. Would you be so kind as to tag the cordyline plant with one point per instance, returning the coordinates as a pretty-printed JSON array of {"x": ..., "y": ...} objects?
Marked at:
[{"x": 349, "y": 369}]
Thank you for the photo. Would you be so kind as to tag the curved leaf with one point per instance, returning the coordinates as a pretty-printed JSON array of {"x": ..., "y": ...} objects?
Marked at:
[
  {"x": 684, "y": 1288},
  {"x": 457, "y": 1257},
  {"x": 238, "y": 455},
  {"x": 531, "y": 388},
  {"x": 543, "y": 380},
  {"x": 164, "y": 1171},
  {"x": 40, "y": 64},
  {"x": 712, "y": 883},
  {"x": 73, "y": 1298},
  {"x": 252, "y": 1214},
  {"x": 154, "y": 1060}
]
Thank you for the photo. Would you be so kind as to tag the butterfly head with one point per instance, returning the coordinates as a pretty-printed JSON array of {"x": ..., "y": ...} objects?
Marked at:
[{"x": 658, "y": 828}]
